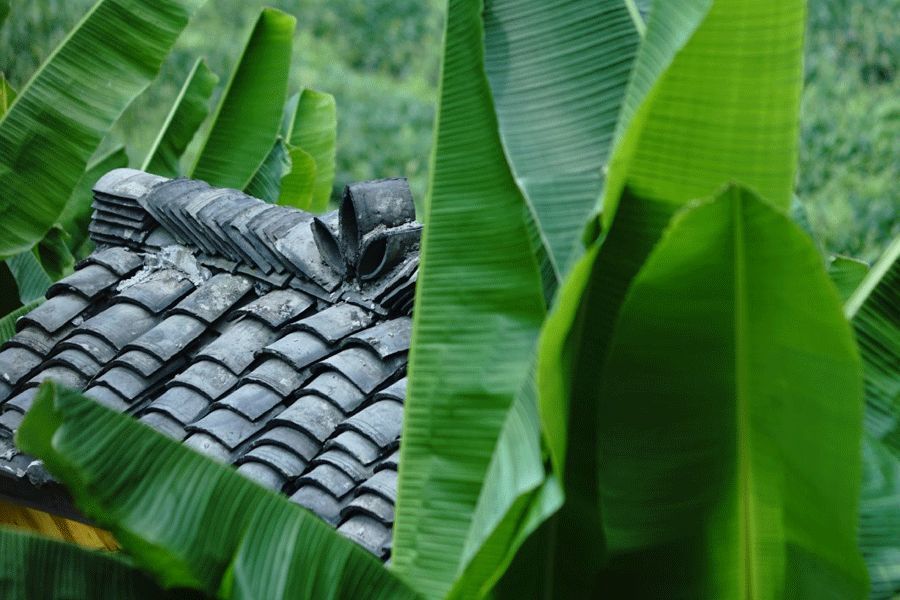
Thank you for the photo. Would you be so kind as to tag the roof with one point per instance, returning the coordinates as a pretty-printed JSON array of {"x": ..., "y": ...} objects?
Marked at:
[{"x": 259, "y": 335}]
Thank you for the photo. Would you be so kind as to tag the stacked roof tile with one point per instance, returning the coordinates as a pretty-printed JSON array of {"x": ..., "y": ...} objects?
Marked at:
[{"x": 259, "y": 335}]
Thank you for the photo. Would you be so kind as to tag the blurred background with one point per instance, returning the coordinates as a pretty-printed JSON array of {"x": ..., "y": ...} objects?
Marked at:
[{"x": 380, "y": 59}]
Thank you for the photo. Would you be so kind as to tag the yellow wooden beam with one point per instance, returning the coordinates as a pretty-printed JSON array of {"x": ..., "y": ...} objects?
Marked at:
[{"x": 39, "y": 522}]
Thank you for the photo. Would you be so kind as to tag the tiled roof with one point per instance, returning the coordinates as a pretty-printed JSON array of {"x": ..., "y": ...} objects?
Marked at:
[{"x": 257, "y": 334}]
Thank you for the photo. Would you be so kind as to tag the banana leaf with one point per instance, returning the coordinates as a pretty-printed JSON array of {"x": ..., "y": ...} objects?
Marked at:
[
  {"x": 248, "y": 116},
  {"x": 188, "y": 520},
  {"x": 266, "y": 182},
  {"x": 8, "y": 322},
  {"x": 36, "y": 567},
  {"x": 743, "y": 66},
  {"x": 729, "y": 415},
  {"x": 875, "y": 312},
  {"x": 64, "y": 111},
  {"x": 31, "y": 279},
  {"x": 313, "y": 129},
  {"x": 558, "y": 74},
  {"x": 298, "y": 184},
  {"x": 184, "y": 119},
  {"x": 7, "y": 93},
  {"x": 479, "y": 306},
  {"x": 873, "y": 309},
  {"x": 846, "y": 273},
  {"x": 76, "y": 216}
]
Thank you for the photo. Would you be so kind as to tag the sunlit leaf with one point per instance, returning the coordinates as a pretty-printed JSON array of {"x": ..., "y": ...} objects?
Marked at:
[
  {"x": 314, "y": 130},
  {"x": 248, "y": 116},
  {"x": 479, "y": 304},
  {"x": 754, "y": 408},
  {"x": 297, "y": 185}
]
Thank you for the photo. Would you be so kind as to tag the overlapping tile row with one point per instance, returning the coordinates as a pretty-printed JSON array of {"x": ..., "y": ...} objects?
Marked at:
[
  {"x": 365, "y": 252},
  {"x": 213, "y": 338}
]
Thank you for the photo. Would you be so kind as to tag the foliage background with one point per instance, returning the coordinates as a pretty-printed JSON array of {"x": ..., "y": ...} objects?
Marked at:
[{"x": 380, "y": 59}]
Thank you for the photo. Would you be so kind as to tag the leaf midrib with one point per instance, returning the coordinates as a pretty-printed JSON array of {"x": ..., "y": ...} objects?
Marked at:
[{"x": 745, "y": 472}]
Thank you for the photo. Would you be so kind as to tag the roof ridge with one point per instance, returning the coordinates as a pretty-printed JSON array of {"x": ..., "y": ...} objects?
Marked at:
[{"x": 366, "y": 252}]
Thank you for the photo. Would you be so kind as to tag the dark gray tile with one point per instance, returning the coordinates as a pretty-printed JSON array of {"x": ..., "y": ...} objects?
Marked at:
[
  {"x": 329, "y": 478},
  {"x": 88, "y": 282},
  {"x": 164, "y": 424},
  {"x": 381, "y": 422},
  {"x": 172, "y": 336},
  {"x": 300, "y": 349},
  {"x": 298, "y": 442},
  {"x": 36, "y": 339},
  {"x": 208, "y": 446},
  {"x": 313, "y": 415},
  {"x": 119, "y": 324},
  {"x": 262, "y": 474},
  {"x": 215, "y": 297},
  {"x": 298, "y": 251},
  {"x": 346, "y": 462},
  {"x": 126, "y": 382},
  {"x": 251, "y": 400},
  {"x": 372, "y": 506},
  {"x": 76, "y": 359},
  {"x": 288, "y": 464},
  {"x": 16, "y": 363},
  {"x": 386, "y": 338},
  {"x": 366, "y": 531},
  {"x": 278, "y": 307},
  {"x": 278, "y": 375},
  {"x": 364, "y": 449},
  {"x": 55, "y": 313},
  {"x": 142, "y": 362},
  {"x": 236, "y": 347},
  {"x": 230, "y": 428},
  {"x": 107, "y": 398},
  {"x": 336, "y": 388},
  {"x": 336, "y": 322},
  {"x": 181, "y": 403},
  {"x": 62, "y": 375},
  {"x": 382, "y": 483},
  {"x": 363, "y": 367},
  {"x": 100, "y": 349},
  {"x": 208, "y": 378},
  {"x": 395, "y": 391},
  {"x": 157, "y": 291},
  {"x": 320, "y": 502}
]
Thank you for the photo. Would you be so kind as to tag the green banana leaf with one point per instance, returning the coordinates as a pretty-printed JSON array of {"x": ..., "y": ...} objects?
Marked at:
[
  {"x": 248, "y": 117},
  {"x": 4, "y": 10},
  {"x": 64, "y": 111},
  {"x": 298, "y": 184},
  {"x": 32, "y": 280},
  {"x": 188, "y": 520},
  {"x": 846, "y": 273},
  {"x": 313, "y": 129},
  {"x": 7, "y": 92},
  {"x": 266, "y": 182},
  {"x": 516, "y": 481},
  {"x": 874, "y": 309},
  {"x": 36, "y": 567},
  {"x": 875, "y": 313},
  {"x": 184, "y": 119},
  {"x": 558, "y": 73},
  {"x": 879, "y": 518},
  {"x": 669, "y": 149},
  {"x": 671, "y": 78},
  {"x": 479, "y": 306},
  {"x": 729, "y": 417},
  {"x": 8, "y": 322},
  {"x": 76, "y": 216},
  {"x": 54, "y": 254}
]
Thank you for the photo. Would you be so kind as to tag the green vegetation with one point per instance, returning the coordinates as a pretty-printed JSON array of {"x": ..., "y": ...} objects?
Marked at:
[{"x": 631, "y": 373}]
